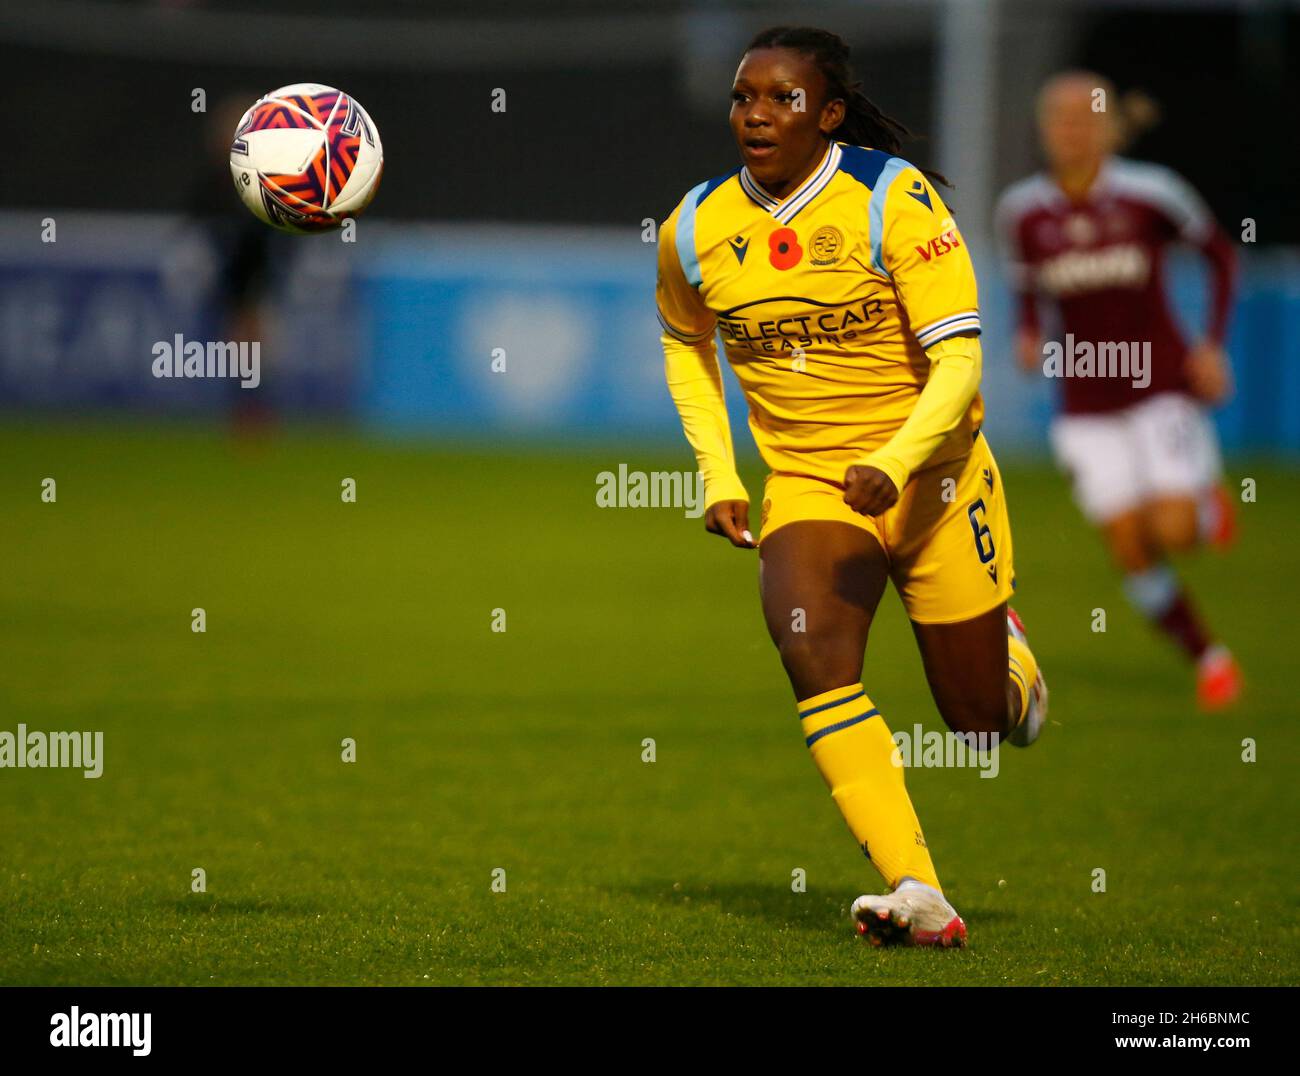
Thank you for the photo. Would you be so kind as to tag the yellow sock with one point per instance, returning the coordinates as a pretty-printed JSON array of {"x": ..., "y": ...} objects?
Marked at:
[
  {"x": 1023, "y": 667},
  {"x": 851, "y": 746}
]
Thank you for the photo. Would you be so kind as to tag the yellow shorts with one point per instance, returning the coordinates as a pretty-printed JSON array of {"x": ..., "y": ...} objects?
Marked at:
[{"x": 948, "y": 539}]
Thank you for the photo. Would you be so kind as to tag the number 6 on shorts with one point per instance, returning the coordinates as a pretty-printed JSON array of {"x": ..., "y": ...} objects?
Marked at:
[{"x": 981, "y": 531}]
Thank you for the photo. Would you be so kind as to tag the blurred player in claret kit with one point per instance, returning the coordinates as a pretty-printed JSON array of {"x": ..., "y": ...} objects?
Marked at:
[{"x": 1090, "y": 235}]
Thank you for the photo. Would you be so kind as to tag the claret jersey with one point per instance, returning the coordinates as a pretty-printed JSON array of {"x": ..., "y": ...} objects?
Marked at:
[
  {"x": 1100, "y": 259},
  {"x": 825, "y": 301}
]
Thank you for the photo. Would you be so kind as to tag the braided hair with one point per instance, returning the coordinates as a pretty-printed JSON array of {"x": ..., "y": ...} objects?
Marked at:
[{"x": 864, "y": 124}]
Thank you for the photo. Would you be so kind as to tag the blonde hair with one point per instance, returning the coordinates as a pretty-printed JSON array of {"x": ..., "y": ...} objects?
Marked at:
[{"x": 1131, "y": 114}]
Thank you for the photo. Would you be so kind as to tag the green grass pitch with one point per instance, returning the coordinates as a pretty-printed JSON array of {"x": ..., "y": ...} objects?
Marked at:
[{"x": 522, "y": 750}]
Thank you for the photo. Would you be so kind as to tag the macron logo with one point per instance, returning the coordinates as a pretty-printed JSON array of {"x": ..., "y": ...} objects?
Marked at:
[
  {"x": 76, "y": 1028},
  {"x": 921, "y": 193}
]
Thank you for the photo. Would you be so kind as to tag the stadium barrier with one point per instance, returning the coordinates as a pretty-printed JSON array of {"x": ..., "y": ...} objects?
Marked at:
[{"x": 476, "y": 330}]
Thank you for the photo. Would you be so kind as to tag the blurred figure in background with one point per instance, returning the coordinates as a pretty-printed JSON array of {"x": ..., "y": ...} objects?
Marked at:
[
  {"x": 1090, "y": 236},
  {"x": 241, "y": 245}
]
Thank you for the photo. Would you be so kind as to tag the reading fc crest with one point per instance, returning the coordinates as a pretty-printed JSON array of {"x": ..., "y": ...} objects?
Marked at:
[{"x": 826, "y": 246}]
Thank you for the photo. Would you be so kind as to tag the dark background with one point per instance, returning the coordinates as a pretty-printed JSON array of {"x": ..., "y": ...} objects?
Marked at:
[{"x": 601, "y": 125}]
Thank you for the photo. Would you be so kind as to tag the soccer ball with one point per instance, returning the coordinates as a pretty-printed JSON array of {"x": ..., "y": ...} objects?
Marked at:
[{"x": 306, "y": 156}]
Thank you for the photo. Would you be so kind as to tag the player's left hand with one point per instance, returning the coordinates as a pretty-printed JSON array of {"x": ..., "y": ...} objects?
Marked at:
[
  {"x": 868, "y": 490},
  {"x": 1208, "y": 373}
]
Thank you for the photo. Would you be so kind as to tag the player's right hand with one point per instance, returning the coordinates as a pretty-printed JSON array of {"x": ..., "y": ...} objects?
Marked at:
[
  {"x": 1208, "y": 372},
  {"x": 1029, "y": 350},
  {"x": 731, "y": 520}
]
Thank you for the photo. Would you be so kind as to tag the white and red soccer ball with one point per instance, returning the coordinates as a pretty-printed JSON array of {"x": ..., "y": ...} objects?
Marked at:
[{"x": 305, "y": 157}]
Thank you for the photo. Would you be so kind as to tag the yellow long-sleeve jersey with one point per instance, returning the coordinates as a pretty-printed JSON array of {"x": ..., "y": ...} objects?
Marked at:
[{"x": 827, "y": 301}]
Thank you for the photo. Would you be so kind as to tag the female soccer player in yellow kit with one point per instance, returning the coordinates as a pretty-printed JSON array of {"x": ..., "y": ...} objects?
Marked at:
[{"x": 846, "y": 301}]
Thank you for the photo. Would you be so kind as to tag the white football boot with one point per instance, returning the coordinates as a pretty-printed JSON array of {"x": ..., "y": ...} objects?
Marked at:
[
  {"x": 1027, "y": 731},
  {"x": 913, "y": 914}
]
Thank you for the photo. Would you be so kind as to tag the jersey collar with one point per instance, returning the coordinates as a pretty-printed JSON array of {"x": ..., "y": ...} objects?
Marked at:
[
  {"x": 784, "y": 209},
  {"x": 1099, "y": 186}
]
